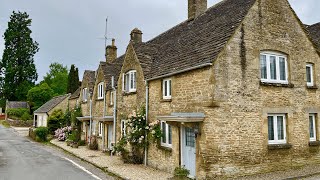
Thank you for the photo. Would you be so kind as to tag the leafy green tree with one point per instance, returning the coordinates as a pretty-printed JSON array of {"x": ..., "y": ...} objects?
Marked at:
[
  {"x": 73, "y": 79},
  {"x": 39, "y": 95},
  {"x": 17, "y": 69},
  {"x": 57, "y": 78}
]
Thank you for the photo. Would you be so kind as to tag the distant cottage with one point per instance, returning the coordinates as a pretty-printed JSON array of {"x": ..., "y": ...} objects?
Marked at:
[
  {"x": 235, "y": 88},
  {"x": 42, "y": 114}
]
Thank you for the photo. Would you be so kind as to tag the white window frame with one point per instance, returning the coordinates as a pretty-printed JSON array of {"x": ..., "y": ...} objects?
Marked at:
[
  {"x": 111, "y": 97},
  {"x": 275, "y": 129},
  {"x": 129, "y": 81},
  {"x": 311, "y": 74},
  {"x": 100, "y": 90},
  {"x": 167, "y": 92},
  {"x": 100, "y": 129},
  {"x": 166, "y": 144},
  {"x": 123, "y": 128},
  {"x": 84, "y": 94},
  {"x": 278, "y": 56},
  {"x": 314, "y": 127}
]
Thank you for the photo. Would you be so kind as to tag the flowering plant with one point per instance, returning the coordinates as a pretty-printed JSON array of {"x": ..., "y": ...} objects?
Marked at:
[
  {"x": 138, "y": 135},
  {"x": 63, "y": 133}
]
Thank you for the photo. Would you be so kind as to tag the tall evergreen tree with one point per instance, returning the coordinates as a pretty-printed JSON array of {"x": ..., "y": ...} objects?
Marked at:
[
  {"x": 17, "y": 69},
  {"x": 73, "y": 79}
]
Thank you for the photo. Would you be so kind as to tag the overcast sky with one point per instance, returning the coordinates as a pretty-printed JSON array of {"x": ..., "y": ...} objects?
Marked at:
[{"x": 72, "y": 31}]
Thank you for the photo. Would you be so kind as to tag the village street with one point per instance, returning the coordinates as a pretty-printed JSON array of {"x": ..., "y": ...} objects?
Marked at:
[{"x": 23, "y": 159}]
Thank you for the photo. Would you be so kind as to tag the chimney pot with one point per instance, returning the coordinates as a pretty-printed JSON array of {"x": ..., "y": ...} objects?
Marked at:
[
  {"x": 111, "y": 52},
  {"x": 196, "y": 8},
  {"x": 136, "y": 35}
]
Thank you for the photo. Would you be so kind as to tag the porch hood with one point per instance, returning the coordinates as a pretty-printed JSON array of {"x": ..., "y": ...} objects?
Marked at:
[
  {"x": 104, "y": 119},
  {"x": 183, "y": 117},
  {"x": 85, "y": 118}
]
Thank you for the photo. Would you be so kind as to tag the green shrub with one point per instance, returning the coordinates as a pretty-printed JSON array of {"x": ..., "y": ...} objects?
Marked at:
[
  {"x": 41, "y": 133},
  {"x": 82, "y": 143},
  {"x": 181, "y": 172},
  {"x": 26, "y": 116},
  {"x": 55, "y": 121},
  {"x": 74, "y": 136},
  {"x": 19, "y": 112},
  {"x": 94, "y": 143}
]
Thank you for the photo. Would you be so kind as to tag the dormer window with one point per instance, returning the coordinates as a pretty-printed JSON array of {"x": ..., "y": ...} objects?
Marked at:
[
  {"x": 100, "y": 90},
  {"x": 273, "y": 68},
  {"x": 129, "y": 81},
  {"x": 84, "y": 94}
]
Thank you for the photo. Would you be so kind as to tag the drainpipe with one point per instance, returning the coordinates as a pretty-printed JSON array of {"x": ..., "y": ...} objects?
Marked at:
[
  {"x": 104, "y": 114},
  {"x": 147, "y": 109},
  {"x": 90, "y": 126},
  {"x": 114, "y": 115}
]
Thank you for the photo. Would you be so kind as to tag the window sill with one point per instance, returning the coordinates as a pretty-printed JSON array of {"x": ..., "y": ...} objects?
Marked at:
[
  {"x": 165, "y": 148},
  {"x": 277, "y": 84},
  {"x": 128, "y": 93},
  {"x": 166, "y": 100},
  {"x": 312, "y": 87},
  {"x": 279, "y": 146},
  {"x": 314, "y": 143},
  {"x": 99, "y": 99}
]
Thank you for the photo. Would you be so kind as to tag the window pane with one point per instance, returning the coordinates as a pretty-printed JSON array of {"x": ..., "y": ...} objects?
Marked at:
[
  {"x": 273, "y": 68},
  {"x": 164, "y": 140},
  {"x": 270, "y": 128},
  {"x": 190, "y": 137},
  {"x": 165, "y": 88},
  {"x": 280, "y": 127},
  {"x": 169, "y": 87},
  {"x": 263, "y": 66},
  {"x": 134, "y": 80},
  {"x": 308, "y": 74},
  {"x": 131, "y": 80},
  {"x": 169, "y": 135},
  {"x": 282, "y": 65},
  {"x": 311, "y": 125},
  {"x": 127, "y": 82}
]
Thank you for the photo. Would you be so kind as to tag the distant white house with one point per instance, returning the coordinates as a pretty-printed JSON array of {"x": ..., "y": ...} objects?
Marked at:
[{"x": 42, "y": 114}]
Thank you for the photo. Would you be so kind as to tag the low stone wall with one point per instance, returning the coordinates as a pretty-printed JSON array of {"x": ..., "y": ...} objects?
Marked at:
[
  {"x": 20, "y": 123},
  {"x": 32, "y": 133}
]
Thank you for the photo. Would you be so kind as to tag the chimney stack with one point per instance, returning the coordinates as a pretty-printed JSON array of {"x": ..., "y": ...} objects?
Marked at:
[
  {"x": 111, "y": 52},
  {"x": 196, "y": 8},
  {"x": 136, "y": 36}
]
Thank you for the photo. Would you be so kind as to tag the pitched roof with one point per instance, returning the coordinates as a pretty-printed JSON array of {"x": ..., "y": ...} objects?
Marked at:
[
  {"x": 17, "y": 104},
  {"x": 314, "y": 32},
  {"x": 91, "y": 77},
  {"x": 76, "y": 94},
  {"x": 195, "y": 42},
  {"x": 113, "y": 69},
  {"x": 51, "y": 104}
]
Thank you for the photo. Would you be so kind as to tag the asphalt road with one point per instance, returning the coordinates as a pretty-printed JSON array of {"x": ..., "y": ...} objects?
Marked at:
[{"x": 22, "y": 159}]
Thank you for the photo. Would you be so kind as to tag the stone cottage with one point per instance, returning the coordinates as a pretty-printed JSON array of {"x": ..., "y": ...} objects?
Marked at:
[
  {"x": 234, "y": 87},
  {"x": 85, "y": 102},
  {"x": 74, "y": 99},
  {"x": 43, "y": 113}
]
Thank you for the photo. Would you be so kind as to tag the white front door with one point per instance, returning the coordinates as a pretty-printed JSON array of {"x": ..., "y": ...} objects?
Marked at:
[
  {"x": 40, "y": 121},
  {"x": 188, "y": 150},
  {"x": 110, "y": 134}
]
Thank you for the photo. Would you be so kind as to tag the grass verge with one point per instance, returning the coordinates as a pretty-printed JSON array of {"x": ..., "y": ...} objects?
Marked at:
[{"x": 4, "y": 123}]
